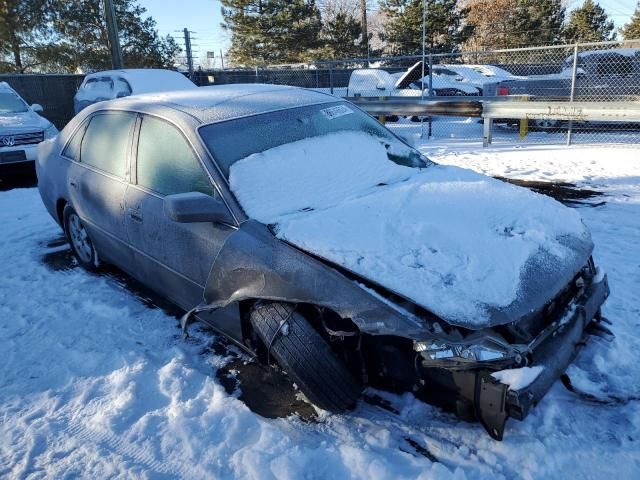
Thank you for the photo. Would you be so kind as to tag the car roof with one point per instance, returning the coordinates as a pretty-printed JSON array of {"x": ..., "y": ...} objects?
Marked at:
[{"x": 223, "y": 102}]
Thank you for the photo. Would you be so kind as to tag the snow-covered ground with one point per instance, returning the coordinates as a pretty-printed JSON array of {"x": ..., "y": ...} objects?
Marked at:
[{"x": 96, "y": 382}]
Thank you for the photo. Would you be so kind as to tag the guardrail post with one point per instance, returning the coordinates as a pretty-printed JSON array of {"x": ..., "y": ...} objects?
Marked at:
[
  {"x": 381, "y": 118},
  {"x": 573, "y": 88},
  {"x": 524, "y": 125},
  {"x": 486, "y": 131}
]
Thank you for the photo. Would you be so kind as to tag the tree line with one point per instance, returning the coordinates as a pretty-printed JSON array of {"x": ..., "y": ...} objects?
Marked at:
[
  {"x": 281, "y": 31},
  {"x": 71, "y": 35}
]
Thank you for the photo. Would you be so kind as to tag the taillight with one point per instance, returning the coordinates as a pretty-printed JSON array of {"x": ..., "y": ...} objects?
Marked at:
[{"x": 503, "y": 90}]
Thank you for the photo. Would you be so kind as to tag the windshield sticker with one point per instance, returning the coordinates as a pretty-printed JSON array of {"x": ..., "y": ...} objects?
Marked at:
[{"x": 335, "y": 112}]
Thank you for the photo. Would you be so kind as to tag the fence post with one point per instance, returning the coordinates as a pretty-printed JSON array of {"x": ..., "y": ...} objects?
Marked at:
[
  {"x": 573, "y": 88},
  {"x": 331, "y": 77},
  {"x": 430, "y": 91},
  {"x": 257, "y": 80}
]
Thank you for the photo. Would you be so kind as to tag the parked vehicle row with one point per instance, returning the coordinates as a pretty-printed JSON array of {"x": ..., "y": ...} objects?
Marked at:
[{"x": 268, "y": 212}]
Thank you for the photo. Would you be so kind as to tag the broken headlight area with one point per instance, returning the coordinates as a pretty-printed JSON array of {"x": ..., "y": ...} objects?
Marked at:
[{"x": 434, "y": 353}]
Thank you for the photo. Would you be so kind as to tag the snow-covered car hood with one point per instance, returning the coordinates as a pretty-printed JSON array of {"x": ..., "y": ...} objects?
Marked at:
[
  {"x": 22, "y": 122},
  {"x": 471, "y": 249}
]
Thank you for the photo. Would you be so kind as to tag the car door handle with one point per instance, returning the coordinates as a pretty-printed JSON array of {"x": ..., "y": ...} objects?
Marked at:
[
  {"x": 73, "y": 184},
  {"x": 135, "y": 215}
]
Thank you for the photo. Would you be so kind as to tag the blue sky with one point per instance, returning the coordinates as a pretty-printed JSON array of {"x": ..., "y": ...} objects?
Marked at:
[{"x": 204, "y": 18}]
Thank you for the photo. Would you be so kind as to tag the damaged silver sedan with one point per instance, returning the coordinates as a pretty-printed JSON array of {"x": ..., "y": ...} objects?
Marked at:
[{"x": 312, "y": 236}]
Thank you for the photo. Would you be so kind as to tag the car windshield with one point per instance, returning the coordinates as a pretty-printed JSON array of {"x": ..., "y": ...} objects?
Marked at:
[
  {"x": 11, "y": 103},
  {"x": 233, "y": 140}
]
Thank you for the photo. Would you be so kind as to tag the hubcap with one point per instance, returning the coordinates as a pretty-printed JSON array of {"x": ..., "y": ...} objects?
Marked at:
[{"x": 79, "y": 238}]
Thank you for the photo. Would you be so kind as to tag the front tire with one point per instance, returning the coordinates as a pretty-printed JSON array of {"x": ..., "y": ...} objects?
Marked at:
[
  {"x": 79, "y": 239},
  {"x": 306, "y": 357}
]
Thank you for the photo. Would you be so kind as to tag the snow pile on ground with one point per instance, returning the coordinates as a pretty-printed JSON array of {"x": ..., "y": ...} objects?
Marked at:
[
  {"x": 437, "y": 235},
  {"x": 94, "y": 383},
  {"x": 518, "y": 378}
]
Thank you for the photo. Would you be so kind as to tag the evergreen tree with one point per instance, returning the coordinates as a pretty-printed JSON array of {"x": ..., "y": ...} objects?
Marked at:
[
  {"x": 23, "y": 24},
  {"x": 71, "y": 35},
  {"x": 631, "y": 30},
  {"x": 341, "y": 36},
  {"x": 272, "y": 31},
  {"x": 83, "y": 42},
  {"x": 589, "y": 23},
  {"x": 446, "y": 28}
]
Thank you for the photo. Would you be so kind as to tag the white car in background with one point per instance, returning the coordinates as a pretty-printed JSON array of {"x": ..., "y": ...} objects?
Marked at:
[
  {"x": 21, "y": 129},
  {"x": 486, "y": 78},
  {"x": 375, "y": 82},
  {"x": 111, "y": 84}
]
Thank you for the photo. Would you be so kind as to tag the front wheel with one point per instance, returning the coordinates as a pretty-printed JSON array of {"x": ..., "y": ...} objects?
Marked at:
[
  {"x": 306, "y": 357},
  {"x": 78, "y": 237}
]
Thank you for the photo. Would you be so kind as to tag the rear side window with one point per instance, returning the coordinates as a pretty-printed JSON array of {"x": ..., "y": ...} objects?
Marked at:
[
  {"x": 166, "y": 162},
  {"x": 122, "y": 87},
  {"x": 106, "y": 142}
]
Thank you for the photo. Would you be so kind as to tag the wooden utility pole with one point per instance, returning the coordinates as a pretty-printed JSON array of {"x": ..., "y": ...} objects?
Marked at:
[
  {"x": 112, "y": 30},
  {"x": 363, "y": 26},
  {"x": 187, "y": 46}
]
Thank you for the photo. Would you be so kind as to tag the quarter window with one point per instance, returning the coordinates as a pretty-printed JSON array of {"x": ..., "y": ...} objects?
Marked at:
[
  {"x": 72, "y": 150},
  {"x": 106, "y": 142},
  {"x": 166, "y": 163}
]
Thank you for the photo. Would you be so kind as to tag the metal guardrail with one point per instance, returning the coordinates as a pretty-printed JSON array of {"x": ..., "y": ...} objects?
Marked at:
[
  {"x": 567, "y": 110},
  {"x": 504, "y": 107},
  {"x": 410, "y": 106}
]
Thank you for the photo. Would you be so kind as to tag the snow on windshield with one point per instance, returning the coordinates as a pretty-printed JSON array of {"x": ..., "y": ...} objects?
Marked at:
[
  {"x": 312, "y": 173},
  {"x": 449, "y": 239}
]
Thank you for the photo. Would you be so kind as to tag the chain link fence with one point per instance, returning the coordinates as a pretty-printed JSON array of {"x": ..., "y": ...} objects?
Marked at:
[{"x": 608, "y": 72}]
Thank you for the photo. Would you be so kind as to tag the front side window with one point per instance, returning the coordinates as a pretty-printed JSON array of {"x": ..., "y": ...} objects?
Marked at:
[
  {"x": 106, "y": 142},
  {"x": 166, "y": 163},
  {"x": 11, "y": 103}
]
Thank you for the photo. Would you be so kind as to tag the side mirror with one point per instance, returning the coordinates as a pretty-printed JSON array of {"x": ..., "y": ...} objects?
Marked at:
[
  {"x": 122, "y": 94},
  {"x": 36, "y": 107},
  {"x": 194, "y": 207}
]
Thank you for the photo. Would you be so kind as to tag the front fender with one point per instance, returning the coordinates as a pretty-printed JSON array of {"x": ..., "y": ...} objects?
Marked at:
[{"x": 254, "y": 264}]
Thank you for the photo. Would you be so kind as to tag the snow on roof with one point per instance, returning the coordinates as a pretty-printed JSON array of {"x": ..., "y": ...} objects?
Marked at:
[
  {"x": 146, "y": 80},
  {"x": 224, "y": 102}
]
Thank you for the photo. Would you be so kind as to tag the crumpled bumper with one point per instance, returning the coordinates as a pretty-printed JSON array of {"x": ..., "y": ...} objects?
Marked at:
[{"x": 493, "y": 402}]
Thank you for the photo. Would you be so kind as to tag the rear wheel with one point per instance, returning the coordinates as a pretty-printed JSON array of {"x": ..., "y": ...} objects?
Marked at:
[
  {"x": 305, "y": 356},
  {"x": 78, "y": 237}
]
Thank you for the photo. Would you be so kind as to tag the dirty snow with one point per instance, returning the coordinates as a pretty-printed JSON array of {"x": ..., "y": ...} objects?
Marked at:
[
  {"x": 436, "y": 235},
  {"x": 518, "y": 378},
  {"x": 95, "y": 383}
]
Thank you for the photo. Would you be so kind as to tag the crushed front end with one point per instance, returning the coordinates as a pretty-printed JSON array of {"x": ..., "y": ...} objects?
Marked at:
[
  {"x": 465, "y": 370},
  {"x": 455, "y": 370}
]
